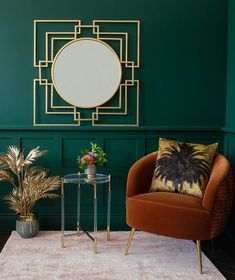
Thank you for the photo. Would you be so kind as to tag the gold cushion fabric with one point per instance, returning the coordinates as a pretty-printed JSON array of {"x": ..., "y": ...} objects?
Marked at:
[{"x": 182, "y": 167}]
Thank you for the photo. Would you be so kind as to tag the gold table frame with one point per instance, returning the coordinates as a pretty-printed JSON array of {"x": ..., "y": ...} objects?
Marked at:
[{"x": 81, "y": 178}]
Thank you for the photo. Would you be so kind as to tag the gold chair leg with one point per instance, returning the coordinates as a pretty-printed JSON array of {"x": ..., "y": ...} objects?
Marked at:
[
  {"x": 199, "y": 255},
  {"x": 132, "y": 232}
]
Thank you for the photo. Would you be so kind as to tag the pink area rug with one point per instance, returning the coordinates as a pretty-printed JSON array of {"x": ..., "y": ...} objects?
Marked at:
[{"x": 150, "y": 257}]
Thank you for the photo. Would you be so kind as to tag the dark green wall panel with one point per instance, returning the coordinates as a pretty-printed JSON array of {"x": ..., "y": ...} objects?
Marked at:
[
  {"x": 123, "y": 149},
  {"x": 229, "y": 143},
  {"x": 229, "y": 151},
  {"x": 229, "y": 129},
  {"x": 52, "y": 145},
  {"x": 71, "y": 148},
  {"x": 121, "y": 152},
  {"x": 230, "y": 110},
  {"x": 5, "y": 142}
]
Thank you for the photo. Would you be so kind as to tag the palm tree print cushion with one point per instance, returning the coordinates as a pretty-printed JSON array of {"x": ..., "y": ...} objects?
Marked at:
[{"x": 182, "y": 167}]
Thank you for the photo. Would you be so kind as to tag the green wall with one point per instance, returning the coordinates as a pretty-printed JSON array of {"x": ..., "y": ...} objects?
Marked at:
[
  {"x": 229, "y": 129},
  {"x": 182, "y": 94},
  {"x": 230, "y": 112},
  {"x": 183, "y": 56}
]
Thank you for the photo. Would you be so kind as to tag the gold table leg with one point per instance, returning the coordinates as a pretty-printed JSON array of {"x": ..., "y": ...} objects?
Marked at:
[
  {"x": 78, "y": 208},
  {"x": 109, "y": 209},
  {"x": 62, "y": 213},
  {"x": 95, "y": 219}
]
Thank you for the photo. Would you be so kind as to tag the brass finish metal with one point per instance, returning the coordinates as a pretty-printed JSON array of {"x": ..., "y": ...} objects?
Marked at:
[
  {"x": 26, "y": 218},
  {"x": 51, "y": 37},
  {"x": 108, "y": 233},
  {"x": 78, "y": 207},
  {"x": 82, "y": 231},
  {"x": 109, "y": 210},
  {"x": 95, "y": 246},
  {"x": 95, "y": 218},
  {"x": 199, "y": 254},
  {"x": 62, "y": 241},
  {"x": 132, "y": 232},
  {"x": 81, "y": 39}
]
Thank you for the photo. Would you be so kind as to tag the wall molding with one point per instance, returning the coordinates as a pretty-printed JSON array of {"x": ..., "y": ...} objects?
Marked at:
[
  {"x": 228, "y": 130},
  {"x": 140, "y": 128}
]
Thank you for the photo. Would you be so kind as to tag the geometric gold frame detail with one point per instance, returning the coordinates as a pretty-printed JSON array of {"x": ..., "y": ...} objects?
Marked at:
[{"x": 123, "y": 110}]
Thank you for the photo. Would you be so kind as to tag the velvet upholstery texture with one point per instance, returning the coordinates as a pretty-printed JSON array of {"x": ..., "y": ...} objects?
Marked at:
[
  {"x": 179, "y": 215},
  {"x": 182, "y": 167}
]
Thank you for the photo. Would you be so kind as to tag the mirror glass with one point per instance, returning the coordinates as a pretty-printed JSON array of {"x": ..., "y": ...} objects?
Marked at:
[{"x": 86, "y": 72}]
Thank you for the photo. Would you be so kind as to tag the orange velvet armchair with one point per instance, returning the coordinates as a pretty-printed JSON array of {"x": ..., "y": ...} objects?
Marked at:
[{"x": 178, "y": 215}]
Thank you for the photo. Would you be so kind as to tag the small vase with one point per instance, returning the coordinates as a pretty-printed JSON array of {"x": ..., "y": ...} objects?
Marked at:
[
  {"x": 90, "y": 171},
  {"x": 27, "y": 226}
]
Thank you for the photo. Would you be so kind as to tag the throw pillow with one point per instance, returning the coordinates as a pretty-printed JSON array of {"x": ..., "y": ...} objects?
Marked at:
[{"x": 182, "y": 167}]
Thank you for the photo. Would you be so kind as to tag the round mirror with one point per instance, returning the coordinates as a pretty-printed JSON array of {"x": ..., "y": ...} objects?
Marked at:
[{"x": 86, "y": 72}]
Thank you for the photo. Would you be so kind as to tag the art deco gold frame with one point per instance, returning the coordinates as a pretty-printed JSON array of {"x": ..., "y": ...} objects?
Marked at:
[{"x": 45, "y": 63}]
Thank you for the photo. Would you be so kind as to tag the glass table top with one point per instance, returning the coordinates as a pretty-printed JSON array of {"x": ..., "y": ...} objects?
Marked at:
[{"x": 81, "y": 178}]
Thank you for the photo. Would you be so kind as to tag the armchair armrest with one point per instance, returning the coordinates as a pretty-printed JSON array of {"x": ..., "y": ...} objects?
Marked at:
[
  {"x": 140, "y": 175},
  {"x": 219, "y": 175}
]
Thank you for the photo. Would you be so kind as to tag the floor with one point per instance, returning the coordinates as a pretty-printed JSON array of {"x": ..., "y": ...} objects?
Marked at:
[{"x": 221, "y": 251}]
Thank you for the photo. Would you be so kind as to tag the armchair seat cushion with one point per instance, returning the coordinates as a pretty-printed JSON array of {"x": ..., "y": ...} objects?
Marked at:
[{"x": 169, "y": 214}]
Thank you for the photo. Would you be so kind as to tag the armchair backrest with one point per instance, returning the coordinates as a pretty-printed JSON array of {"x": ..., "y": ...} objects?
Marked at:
[
  {"x": 140, "y": 175},
  {"x": 219, "y": 194}
]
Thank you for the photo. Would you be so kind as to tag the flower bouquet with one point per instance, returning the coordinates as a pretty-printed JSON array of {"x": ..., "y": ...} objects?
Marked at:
[{"x": 90, "y": 158}]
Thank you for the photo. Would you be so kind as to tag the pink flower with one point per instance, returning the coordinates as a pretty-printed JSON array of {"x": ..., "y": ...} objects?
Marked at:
[
  {"x": 92, "y": 154},
  {"x": 88, "y": 159}
]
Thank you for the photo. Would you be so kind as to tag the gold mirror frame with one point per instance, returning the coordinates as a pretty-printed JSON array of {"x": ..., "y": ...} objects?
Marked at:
[
  {"x": 86, "y": 72},
  {"x": 128, "y": 90}
]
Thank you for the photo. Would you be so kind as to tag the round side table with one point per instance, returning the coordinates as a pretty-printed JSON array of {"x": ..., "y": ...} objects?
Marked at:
[{"x": 82, "y": 179}]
